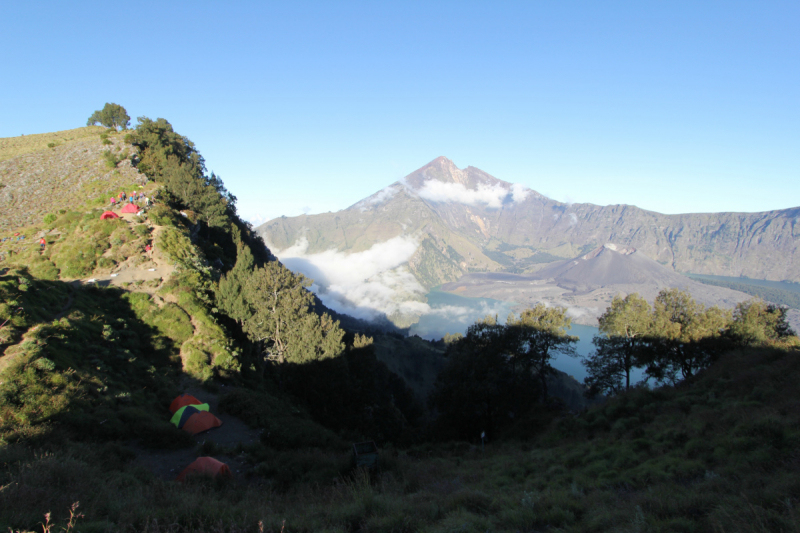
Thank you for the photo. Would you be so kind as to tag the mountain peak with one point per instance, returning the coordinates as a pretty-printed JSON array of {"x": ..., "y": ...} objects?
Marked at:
[
  {"x": 440, "y": 169},
  {"x": 444, "y": 170},
  {"x": 623, "y": 250}
]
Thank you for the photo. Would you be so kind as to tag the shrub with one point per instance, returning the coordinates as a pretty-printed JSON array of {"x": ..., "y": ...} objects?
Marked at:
[
  {"x": 162, "y": 216},
  {"x": 50, "y": 218},
  {"x": 106, "y": 262},
  {"x": 111, "y": 160},
  {"x": 142, "y": 230}
]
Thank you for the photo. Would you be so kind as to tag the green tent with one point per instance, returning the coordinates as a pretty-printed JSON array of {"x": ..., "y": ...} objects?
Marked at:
[{"x": 182, "y": 415}]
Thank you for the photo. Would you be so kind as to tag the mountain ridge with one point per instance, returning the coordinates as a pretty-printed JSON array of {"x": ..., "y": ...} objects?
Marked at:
[
  {"x": 466, "y": 221},
  {"x": 760, "y": 245}
]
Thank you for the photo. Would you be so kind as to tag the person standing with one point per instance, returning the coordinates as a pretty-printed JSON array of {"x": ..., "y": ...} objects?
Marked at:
[{"x": 42, "y": 243}]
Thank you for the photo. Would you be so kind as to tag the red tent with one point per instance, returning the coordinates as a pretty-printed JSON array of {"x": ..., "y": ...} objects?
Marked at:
[
  {"x": 130, "y": 208},
  {"x": 182, "y": 400},
  {"x": 200, "y": 422},
  {"x": 108, "y": 214},
  {"x": 206, "y": 466}
]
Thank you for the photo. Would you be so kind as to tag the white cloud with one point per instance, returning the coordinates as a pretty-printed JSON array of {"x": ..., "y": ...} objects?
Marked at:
[
  {"x": 573, "y": 219},
  {"x": 378, "y": 198},
  {"x": 257, "y": 220},
  {"x": 489, "y": 195},
  {"x": 519, "y": 192},
  {"x": 362, "y": 284}
]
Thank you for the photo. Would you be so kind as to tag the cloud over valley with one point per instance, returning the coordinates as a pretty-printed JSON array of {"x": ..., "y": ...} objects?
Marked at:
[
  {"x": 493, "y": 196},
  {"x": 377, "y": 283},
  {"x": 363, "y": 284}
]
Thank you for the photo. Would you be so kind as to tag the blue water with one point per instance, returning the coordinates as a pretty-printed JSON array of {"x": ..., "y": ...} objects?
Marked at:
[{"x": 454, "y": 314}]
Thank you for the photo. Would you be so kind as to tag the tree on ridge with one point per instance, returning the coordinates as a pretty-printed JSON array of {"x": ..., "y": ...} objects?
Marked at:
[{"x": 111, "y": 116}]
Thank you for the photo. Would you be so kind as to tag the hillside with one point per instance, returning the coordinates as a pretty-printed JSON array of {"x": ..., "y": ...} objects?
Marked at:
[
  {"x": 99, "y": 334},
  {"x": 38, "y": 179}
]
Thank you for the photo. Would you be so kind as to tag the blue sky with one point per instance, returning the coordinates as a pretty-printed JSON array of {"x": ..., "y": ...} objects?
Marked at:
[{"x": 311, "y": 106}]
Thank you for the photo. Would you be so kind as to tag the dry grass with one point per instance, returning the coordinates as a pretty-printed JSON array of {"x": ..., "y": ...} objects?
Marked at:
[
  {"x": 37, "y": 179},
  {"x": 11, "y": 147}
]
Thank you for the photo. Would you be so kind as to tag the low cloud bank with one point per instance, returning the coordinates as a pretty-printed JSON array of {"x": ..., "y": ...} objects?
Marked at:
[
  {"x": 376, "y": 283},
  {"x": 489, "y": 195},
  {"x": 364, "y": 284}
]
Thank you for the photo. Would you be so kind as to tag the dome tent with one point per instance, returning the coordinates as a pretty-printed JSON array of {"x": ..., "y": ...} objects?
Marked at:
[
  {"x": 205, "y": 466},
  {"x": 108, "y": 214},
  {"x": 200, "y": 422},
  {"x": 182, "y": 415},
  {"x": 130, "y": 208},
  {"x": 181, "y": 401}
]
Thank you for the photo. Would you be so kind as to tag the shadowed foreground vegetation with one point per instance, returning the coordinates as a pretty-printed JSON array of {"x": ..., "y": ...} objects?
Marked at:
[{"x": 717, "y": 453}]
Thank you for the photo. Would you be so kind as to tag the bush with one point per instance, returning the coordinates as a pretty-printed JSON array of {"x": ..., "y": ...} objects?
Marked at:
[
  {"x": 106, "y": 262},
  {"x": 50, "y": 218},
  {"x": 142, "y": 230},
  {"x": 111, "y": 160},
  {"x": 162, "y": 216}
]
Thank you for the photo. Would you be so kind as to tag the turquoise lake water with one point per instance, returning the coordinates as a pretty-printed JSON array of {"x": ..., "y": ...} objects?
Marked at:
[{"x": 454, "y": 314}]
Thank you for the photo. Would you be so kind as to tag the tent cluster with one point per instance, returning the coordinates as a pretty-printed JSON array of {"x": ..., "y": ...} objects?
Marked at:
[{"x": 190, "y": 414}]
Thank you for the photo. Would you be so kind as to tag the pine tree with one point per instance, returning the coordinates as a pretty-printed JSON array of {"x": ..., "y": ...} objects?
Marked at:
[
  {"x": 232, "y": 285},
  {"x": 283, "y": 321}
]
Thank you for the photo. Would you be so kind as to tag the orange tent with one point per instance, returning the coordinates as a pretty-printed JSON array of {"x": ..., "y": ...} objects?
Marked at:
[
  {"x": 130, "y": 208},
  {"x": 108, "y": 214},
  {"x": 206, "y": 466},
  {"x": 200, "y": 422},
  {"x": 181, "y": 401}
]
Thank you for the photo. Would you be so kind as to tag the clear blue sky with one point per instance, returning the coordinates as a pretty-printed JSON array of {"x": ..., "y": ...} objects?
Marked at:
[{"x": 311, "y": 106}]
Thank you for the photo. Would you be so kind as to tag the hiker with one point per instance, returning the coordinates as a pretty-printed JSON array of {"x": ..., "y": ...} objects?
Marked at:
[
  {"x": 148, "y": 249},
  {"x": 42, "y": 242},
  {"x": 147, "y": 201},
  {"x": 113, "y": 201}
]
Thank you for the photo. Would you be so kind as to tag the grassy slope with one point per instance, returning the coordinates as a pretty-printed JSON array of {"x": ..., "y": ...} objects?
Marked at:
[
  {"x": 89, "y": 371},
  {"x": 38, "y": 180}
]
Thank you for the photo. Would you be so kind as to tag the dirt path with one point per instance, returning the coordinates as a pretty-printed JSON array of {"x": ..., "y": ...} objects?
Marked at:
[{"x": 156, "y": 267}]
